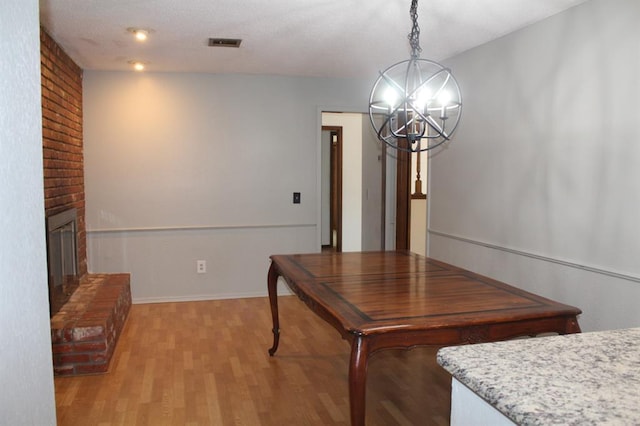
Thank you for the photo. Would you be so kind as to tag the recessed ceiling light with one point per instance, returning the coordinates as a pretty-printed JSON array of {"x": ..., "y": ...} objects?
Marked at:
[
  {"x": 138, "y": 65},
  {"x": 139, "y": 33}
]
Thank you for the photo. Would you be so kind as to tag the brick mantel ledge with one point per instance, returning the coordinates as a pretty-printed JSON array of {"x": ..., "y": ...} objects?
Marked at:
[{"x": 84, "y": 332}]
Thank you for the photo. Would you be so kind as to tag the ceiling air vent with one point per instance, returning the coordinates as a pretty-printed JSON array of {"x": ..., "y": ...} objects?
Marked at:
[{"x": 224, "y": 42}]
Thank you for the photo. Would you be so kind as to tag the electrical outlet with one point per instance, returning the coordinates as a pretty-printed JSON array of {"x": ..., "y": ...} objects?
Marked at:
[{"x": 201, "y": 266}]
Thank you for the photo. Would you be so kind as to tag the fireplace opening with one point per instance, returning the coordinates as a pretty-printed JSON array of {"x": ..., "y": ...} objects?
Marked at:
[{"x": 62, "y": 257}]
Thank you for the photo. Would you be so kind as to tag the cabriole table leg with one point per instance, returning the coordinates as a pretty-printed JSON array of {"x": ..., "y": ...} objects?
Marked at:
[
  {"x": 272, "y": 282},
  {"x": 358, "y": 379}
]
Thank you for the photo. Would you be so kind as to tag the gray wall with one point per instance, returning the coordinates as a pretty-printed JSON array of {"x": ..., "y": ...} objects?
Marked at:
[
  {"x": 26, "y": 371},
  {"x": 186, "y": 167},
  {"x": 541, "y": 186}
]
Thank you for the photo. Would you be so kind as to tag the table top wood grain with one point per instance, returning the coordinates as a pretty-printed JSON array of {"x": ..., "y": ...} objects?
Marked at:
[{"x": 373, "y": 292}]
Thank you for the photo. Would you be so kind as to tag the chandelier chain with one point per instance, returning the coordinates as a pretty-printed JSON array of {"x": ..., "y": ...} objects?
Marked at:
[{"x": 414, "y": 35}]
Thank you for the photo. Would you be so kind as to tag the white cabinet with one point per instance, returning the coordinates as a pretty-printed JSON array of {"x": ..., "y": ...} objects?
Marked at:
[{"x": 467, "y": 408}]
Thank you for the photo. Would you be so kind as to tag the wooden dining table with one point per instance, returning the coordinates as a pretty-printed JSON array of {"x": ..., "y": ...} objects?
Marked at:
[{"x": 400, "y": 300}]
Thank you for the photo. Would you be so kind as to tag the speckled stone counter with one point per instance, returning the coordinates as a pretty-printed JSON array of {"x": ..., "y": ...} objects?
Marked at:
[{"x": 577, "y": 379}]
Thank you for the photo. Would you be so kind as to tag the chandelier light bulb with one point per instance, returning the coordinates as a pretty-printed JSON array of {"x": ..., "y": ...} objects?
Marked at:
[
  {"x": 444, "y": 98},
  {"x": 423, "y": 99},
  {"x": 390, "y": 97}
]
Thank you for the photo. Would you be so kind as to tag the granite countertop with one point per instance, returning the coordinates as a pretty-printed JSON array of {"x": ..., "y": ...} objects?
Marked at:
[{"x": 578, "y": 379}]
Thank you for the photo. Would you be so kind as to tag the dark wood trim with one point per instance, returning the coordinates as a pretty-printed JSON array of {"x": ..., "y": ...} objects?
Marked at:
[
  {"x": 403, "y": 197},
  {"x": 383, "y": 198}
]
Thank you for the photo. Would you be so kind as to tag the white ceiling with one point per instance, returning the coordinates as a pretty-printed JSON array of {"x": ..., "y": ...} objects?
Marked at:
[{"x": 322, "y": 38}]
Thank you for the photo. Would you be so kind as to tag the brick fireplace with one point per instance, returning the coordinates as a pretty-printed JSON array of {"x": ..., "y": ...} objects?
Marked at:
[
  {"x": 62, "y": 143},
  {"x": 85, "y": 328},
  {"x": 85, "y": 331}
]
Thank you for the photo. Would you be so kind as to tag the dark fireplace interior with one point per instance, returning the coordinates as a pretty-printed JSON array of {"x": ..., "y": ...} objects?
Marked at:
[{"x": 62, "y": 253}]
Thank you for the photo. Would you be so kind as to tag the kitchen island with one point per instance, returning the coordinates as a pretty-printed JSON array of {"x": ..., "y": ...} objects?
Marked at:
[{"x": 578, "y": 379}]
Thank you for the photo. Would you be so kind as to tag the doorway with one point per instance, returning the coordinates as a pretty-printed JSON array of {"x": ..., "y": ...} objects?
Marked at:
[
  {"x": 332, "y": 179},
  {"x": 366, "y": 185}
]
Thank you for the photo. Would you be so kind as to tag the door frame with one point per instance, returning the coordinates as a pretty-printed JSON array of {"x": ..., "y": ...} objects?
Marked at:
[
  {"x": 335, "y": 197},
  {"x": 403, "y": 196}
]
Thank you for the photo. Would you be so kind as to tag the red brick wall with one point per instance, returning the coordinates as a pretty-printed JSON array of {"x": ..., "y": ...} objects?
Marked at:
[{"x": 62, "y": 137}]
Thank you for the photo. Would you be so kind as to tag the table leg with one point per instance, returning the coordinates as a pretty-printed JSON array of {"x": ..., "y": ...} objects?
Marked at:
[
  {"x": 358, "y": 380},
  {"x": 272, "y": 283},
  {"x": 572, "y": 326}
]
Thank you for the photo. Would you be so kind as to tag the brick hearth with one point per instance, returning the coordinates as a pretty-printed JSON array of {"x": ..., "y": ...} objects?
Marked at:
[{"x": 85, "y": 331}]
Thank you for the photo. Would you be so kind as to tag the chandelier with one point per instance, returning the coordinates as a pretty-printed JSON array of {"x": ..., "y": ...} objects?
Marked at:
[{"x": 415, "y": 105}]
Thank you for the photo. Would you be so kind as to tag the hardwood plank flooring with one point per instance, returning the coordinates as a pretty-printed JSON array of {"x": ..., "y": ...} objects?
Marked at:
[{"x": 206, "y": 363}]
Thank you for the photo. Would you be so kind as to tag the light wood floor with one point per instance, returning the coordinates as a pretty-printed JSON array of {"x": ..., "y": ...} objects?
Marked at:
[{"x": 206, "y": 363}]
